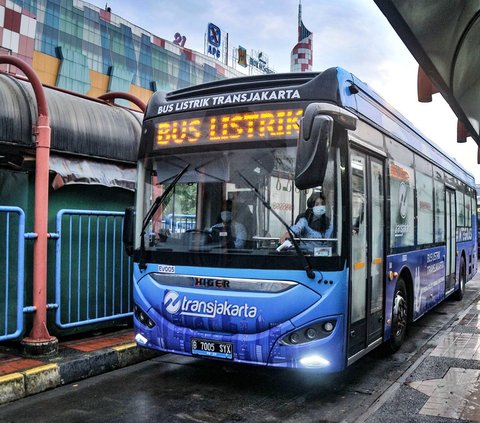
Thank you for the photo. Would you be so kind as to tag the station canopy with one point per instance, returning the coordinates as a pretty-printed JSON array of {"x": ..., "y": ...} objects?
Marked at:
[
  {"x": 444, "y": 38},
  {"x": 92, "y": 142}
]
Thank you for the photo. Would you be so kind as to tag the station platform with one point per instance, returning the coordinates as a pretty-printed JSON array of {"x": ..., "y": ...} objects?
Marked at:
[
  {"x": 443, "y": 383},
  {"x": 78, "y": 358}
]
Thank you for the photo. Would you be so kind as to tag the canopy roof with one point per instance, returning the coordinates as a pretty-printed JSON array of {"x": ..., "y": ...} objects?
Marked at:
[
  {"x": 79, "y": 126},
  {"x": 444, "y": 37}
]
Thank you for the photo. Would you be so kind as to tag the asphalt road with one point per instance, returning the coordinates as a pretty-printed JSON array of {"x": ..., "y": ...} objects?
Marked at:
[{"x": 179, "y": 389}]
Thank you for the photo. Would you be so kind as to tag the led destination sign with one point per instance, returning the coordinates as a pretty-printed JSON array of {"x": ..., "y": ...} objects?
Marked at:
[{"x": 237, "y": 127}]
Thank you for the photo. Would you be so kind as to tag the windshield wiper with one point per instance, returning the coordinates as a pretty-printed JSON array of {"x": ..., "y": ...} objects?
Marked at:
[
  {"x": 303, "y": 257},
  {"x": 153, "y": 209}
]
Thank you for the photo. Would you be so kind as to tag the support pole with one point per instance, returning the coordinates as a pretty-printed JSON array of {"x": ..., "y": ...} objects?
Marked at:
[
  {"x": 39, "y": 342},
  {"x": 112, "y": 95}
]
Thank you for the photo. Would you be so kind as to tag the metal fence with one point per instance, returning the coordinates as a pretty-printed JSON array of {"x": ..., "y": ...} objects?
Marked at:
[
  {"x": 178, "y": 223},
  {"x": 12, "y": 256},
  {"x": 93, "y": 275}
]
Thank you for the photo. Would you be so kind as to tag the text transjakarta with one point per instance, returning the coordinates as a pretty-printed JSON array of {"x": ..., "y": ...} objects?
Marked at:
[{"x": 229, "y": 99}]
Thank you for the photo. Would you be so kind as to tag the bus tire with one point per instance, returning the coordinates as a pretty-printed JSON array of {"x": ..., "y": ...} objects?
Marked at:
[
  {"x": 399, "y": 317},
  {"x": 462, "y": 275}
]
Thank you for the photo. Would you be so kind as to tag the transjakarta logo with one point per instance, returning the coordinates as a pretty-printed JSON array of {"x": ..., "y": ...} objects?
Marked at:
[
  {"x": 171, "y": 303},
  {"x": 183, "y": 306}
]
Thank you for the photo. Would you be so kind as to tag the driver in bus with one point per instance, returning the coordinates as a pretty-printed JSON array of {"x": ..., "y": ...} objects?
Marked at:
[
  {"x": 314, "y": 223},
  {"x": 229, "y": 233}
]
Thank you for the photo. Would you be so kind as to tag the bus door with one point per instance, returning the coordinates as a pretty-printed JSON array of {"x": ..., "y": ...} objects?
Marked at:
[
  {"x": 367, "y": 252},
  {"x": 450, "y": 215}
]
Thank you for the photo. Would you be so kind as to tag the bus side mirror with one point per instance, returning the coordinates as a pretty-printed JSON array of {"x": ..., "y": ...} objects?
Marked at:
[
  {"x": 312, "y": 153},
  {"x": 316, "y": 133},
  {"x": 129, "y": 230}
]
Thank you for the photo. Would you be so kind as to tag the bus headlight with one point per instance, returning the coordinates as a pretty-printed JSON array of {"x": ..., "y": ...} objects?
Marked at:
[
  {"x": 294, "y": 338},
  {"x": 142, "y": 317},
  {"x": 314, "y": 361},
  {"x": 309, "y": 333},
  {"x": 140, "y": 339},
  {"x": 328, "y": 326}
]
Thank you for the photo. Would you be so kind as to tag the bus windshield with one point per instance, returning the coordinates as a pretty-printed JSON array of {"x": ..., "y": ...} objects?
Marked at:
[{"x": 213, "y": 208}]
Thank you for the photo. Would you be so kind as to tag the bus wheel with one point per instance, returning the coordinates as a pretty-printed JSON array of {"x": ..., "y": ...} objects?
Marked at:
[
  {"x": 399, "y": 317},
  {"x": 458, "y": 294}
]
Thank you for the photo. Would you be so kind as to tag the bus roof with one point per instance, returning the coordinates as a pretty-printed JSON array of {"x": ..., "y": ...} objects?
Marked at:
[
  {"x": 368, "y": 104},
  {"x": 334, "y": 85},
  {"x": 244, "y": 83}
]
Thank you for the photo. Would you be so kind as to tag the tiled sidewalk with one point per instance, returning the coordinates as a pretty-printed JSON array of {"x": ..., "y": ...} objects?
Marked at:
[
  {"x": 457, "y": 394},
  {"x": 76, "y": 360},
  {"x": 443, "y": 385}
]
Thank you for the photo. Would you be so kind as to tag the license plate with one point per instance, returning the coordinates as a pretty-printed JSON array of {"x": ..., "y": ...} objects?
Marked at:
[{"x": 215, "y": 349}]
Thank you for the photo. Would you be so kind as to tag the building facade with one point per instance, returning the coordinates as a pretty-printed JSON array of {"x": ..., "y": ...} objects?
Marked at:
[{"x": 79, "y": 47}]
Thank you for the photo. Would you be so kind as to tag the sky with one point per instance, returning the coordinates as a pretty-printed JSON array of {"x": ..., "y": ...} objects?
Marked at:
[{"x": 352, "y": 34}]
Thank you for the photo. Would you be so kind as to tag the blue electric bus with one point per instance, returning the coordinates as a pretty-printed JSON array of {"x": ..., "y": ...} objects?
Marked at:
[{"x": 245, "y": 158}]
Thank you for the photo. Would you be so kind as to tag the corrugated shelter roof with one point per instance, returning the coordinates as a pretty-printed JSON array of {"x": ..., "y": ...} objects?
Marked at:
[{"x": 80, "y": 126}]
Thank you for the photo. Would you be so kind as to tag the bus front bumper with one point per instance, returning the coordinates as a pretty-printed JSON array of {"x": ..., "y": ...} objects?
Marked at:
[{"x": 275, "y": 347}]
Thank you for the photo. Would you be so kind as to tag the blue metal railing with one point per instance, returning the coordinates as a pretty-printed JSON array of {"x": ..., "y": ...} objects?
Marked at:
[
  {"x": 93, "y": 275},
  {"x": 12, "y": 256},
  {"x": 179, "y": 226},
  {"x": 177, "y": 223}
]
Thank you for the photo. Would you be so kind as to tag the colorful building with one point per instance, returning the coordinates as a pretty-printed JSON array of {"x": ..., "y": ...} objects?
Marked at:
[{"x": 79, "y": 47}]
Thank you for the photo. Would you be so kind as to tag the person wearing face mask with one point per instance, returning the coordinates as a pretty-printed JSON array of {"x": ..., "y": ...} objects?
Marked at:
[
  {"x": 227, "y": 232},
  {"x": 314, "y": 223}
]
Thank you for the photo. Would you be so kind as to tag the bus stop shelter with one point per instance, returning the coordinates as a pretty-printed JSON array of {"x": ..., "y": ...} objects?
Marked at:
[
  {"x": 443, "y": 36},
  {"x": 92, "y": 159}
]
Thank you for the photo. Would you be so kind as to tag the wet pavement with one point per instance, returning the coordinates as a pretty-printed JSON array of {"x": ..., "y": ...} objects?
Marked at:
[
  {"x": 444, "y": 383},
  {"x": 435, "y": 377}
]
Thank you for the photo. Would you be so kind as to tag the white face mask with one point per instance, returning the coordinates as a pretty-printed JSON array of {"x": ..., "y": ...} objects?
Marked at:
[
  {"x": 319, "y": 210},
  {"x": 226, "y": 216}
]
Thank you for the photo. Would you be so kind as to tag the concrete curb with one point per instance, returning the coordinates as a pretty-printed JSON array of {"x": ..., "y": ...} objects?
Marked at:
[{"x": 38, "y": 379}]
